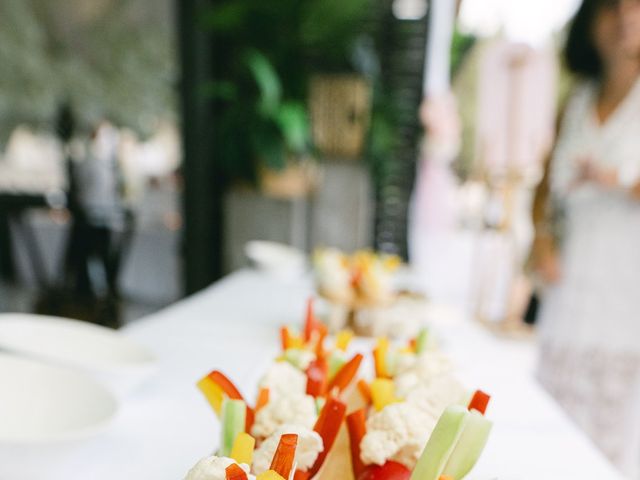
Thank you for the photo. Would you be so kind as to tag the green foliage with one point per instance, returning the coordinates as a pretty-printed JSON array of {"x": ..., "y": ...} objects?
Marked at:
[
  {"x": 110, "y": 58},
  {"x": 270, "y": 49},
  {"x": 461, "y": 44}
]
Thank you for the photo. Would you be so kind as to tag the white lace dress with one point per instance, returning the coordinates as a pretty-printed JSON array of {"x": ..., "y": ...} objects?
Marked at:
[{"x": 590, "y": 320}]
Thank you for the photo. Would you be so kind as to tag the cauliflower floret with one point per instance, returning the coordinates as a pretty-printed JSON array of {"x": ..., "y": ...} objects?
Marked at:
[
  {"x": 433, "y": 397},
  {"x": 296, "y": 409},
  {"x": 332, "y": 274},
  {"x": 398, "y": 432},
  {"x": 427, "y": 367},
  {"x": 376, "y": 283},
  {"x": 309, "y": 447},
  {"x": 299, "y": 358},
  {"x": 213, "y": 468},
  {"x": 404, "y": 362},
  {"x": 432, "y": 363},
  {"x": 283, "y": 379}
]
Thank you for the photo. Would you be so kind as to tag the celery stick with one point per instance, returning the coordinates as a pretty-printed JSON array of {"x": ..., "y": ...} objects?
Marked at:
[
  {"x": 335, "y": 363},
  {"x": 233, "y": 418},
  {"x": 392, "y": 362},
  {"x": 422, "y": 340},
  {"x": 441, "y": 443},
  {"x": 469, "y": 447},
  {"x": 320, "y": 401},
  {"x": 295, "y": 357}
]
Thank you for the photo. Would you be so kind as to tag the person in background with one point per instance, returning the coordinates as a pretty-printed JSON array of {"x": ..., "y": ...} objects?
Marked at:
[{"x": 590, "y": 312}]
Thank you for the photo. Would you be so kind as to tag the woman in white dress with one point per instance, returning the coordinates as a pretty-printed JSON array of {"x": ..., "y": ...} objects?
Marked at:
[{"x": 590, "y": 317}]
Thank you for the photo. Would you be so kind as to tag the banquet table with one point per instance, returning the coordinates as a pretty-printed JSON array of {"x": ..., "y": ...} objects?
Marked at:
[{"x": 165, "y": 426}]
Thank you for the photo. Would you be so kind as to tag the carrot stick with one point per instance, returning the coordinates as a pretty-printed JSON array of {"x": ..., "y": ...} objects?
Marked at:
[
  {"x": 328, "y": 426},
  {"x": 263, "y": 398},
  {"x": 343, "y": 377},
  {"x": 479, "y": 401},
  {"x": 284, "y": 338},
  {"x": 234, "y": 472},
  {"x": 284, "y": 457},
  {"x": 356, "y": 424}
]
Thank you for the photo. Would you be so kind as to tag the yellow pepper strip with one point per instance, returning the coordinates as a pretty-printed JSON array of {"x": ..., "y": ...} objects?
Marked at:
[
  {"x": 380, "y": 357},
  {"x": 296, "y": 341},
  {"x": 343, "y": 339},
  {"x": 392, "y": 262},
  {"x": 212, "y": 392},
  {"x": 269, "y": 475},
  {"x": 382, "y": 393},
  {"x": 243, "y": 445}
]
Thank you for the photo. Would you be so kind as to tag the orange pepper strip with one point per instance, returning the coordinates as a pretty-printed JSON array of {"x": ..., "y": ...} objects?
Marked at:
[
  {"x": 365, "y": 391},
  {"x": 356, "y": 424},
  {"x": 282, "y": 462},
  {"x": 328, "y": 426},
  {"x": 263, "y": 398},
  {"x": 345, "y": 375}
]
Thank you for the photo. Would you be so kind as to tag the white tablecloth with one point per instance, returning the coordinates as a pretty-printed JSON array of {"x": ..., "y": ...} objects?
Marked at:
[{"x": 165, "y": 425}]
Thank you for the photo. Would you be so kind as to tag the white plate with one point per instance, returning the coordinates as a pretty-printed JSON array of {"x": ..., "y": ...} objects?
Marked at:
[
  {"x": 41, "y": 403},
  {"x": 101, "y": 352},
  {"x": 275, "y": 257}
]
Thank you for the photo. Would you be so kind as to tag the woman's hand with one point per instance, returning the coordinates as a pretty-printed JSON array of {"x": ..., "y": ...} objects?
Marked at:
[
  {"x": 548, "y": 267},
  {"x": 546, "y": 261},
  {"x": 589, "y": 172}
]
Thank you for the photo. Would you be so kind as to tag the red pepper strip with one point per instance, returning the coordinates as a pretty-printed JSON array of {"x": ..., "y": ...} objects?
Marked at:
[
  {"x": 479, "y": 401},
  {"x": 234, "y": 472},
  {"x": 365, "y": 391},
  {"x": 282, "y": 462},
  {"x": 233, "y": 393},
  {"x": 356, "y": 277},
  {"x": 263, "y": 398},
  {"x": 328, "y": 426},
  {"x": 389, "y": 471},
  {"x": 300, "y": 475},
  {"x": 343, "y": 377},
  {"x": 322, "y": 334},
  {"x": 226, "y": 385},
  {"x": 317, "y": 374},
  {"x": 309, "y": 321},
  {"x": 249, "y": 419},
  {"x": 356, "y": 424}
]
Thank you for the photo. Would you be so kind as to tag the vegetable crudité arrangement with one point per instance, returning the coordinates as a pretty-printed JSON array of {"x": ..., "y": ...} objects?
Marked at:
[{"x": 409, "y": 419}]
